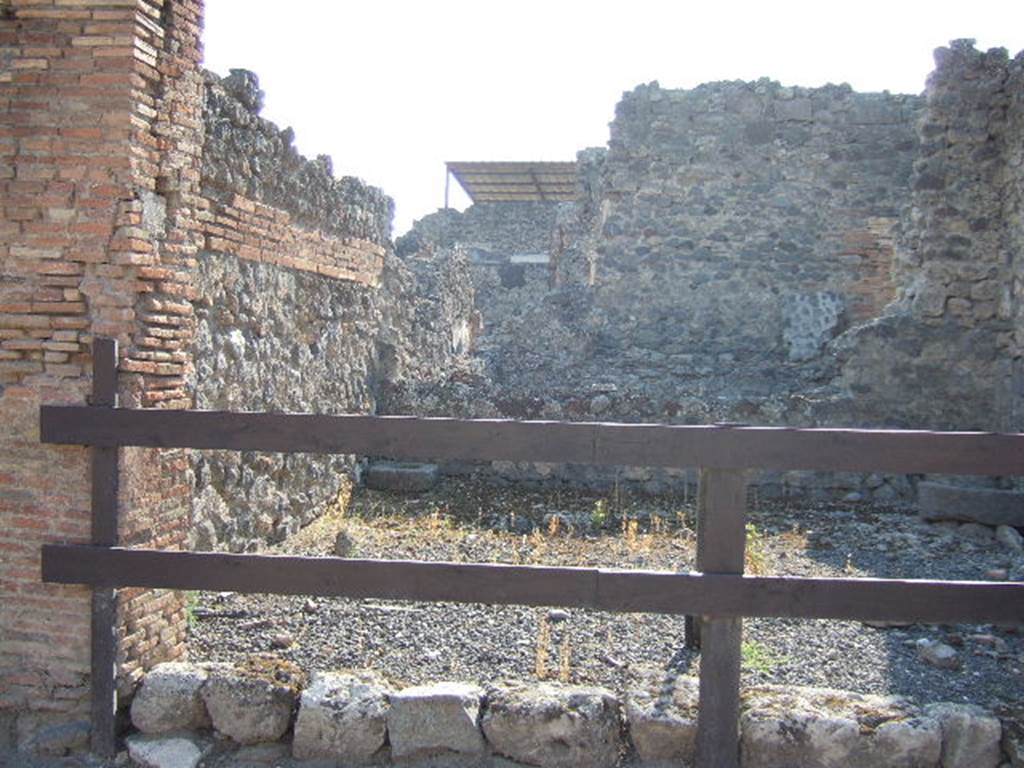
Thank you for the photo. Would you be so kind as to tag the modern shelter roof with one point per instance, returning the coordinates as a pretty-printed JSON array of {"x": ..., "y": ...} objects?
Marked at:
[{"x": 489, "y": 182}]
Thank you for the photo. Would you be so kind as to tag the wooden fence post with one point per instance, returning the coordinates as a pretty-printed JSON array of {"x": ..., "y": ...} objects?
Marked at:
[
  {"x": 104, "y": 534},
  {"x": 721, "y": 543}
]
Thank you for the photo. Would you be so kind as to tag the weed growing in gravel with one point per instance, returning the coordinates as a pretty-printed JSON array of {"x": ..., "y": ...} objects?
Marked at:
[
  {"x": 537, "y": 542},
  {"x": 756, "y": 557},
  {"x": 439, "y": 520},
  {"x": 540, "y": 659},
  {"x": 564, "y": 659},
  {"x": 684, "y": 518},
  {"x": 756, "y": 657},
  {"x": 191, "y": 603},
  {"x": 794, "y": 539},
  {"x": 629, "y": 532},
  {"x": 599, "y": 514}
]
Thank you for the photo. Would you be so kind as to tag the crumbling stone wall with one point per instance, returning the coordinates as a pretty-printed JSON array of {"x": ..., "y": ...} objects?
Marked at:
[
  {"x": 753, "y": 253},
  {"x": 734, "y": 230},
  {"x": 490, "y": 231},
  {"x": 943, "y": 355},
  {"x": 514, "y": 250},
  {"x": 285, "y": 340},
  {"x": 300, "y": 306},
  {"x": 1014, "y": 207}
]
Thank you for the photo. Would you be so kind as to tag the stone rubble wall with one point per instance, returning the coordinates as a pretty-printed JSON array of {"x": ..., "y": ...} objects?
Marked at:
[
  {"x": 1014, "y": 212},
  {"x": 943, "y": 355},
  {"x": 191, "y": 712},
  {"x": 300, "y": 306},
  {"x": 735, "y": 230},
  {"x": 287, "y": 340},
  {"x": 245, "y": 154},
  {"x": 746, "y": 252}
]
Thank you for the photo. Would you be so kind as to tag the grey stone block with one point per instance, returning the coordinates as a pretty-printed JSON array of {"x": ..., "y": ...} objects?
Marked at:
[
  {"x": 989, "y": 506},
  {"x": 554, "y": 726},
  {"x": 439, "y": 720},
  {"x": 405, "y": 477},
  {"x": 247, "y": 709},
  {"x": 180, "y": 751},
  {"x": 821, "y": 728},
  {"x": 970, "y": 735},
  {"x": 342, "y": 716},
  {"x": 662, "y": 713},
  {"x": 170, "y": 700}
]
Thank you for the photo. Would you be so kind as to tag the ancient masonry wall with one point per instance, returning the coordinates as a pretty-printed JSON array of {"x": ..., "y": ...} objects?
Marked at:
[
  {"x": 233, "y": 273},
  {"x": 751, "y": 253},
  {"x": 1015, "y": 217},
  {"x": 944, "y": 355},
  {"x": 300, "y": 306},
  {"x": 100, "y": 145},
  {"x": 727, "y": 234}
]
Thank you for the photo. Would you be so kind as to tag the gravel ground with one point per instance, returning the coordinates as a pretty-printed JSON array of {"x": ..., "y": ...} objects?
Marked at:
[{"x": 463, "y": 521}]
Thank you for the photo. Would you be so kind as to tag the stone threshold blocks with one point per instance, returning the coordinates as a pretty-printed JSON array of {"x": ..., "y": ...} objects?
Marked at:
[{"x": 355, "y": 718}]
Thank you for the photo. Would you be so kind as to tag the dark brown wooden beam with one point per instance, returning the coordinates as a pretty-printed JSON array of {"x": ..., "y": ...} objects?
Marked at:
[
  {"x": 601, "y": 589},
  {"x": 721, "y": 544},
  {"x": 654, "y": 445},
  {"x": 103, "y": 631}
]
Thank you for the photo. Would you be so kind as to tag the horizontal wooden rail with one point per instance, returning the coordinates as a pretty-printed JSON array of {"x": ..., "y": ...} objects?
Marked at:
[
  {"x": 600, "y": 589},
  {"x": 650, "y": 445}
]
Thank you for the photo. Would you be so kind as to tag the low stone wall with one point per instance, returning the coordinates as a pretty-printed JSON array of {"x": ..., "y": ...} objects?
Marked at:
[{"x": 184, "y": 712}]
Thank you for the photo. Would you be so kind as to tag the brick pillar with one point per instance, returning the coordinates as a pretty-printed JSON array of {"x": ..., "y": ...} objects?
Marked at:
[{"x": 100, "y": 143}]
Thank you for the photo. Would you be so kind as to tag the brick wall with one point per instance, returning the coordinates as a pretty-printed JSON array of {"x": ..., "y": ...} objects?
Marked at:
[
  {"x": 100, "y": 145},
  {"x": 257, "y": 232}
]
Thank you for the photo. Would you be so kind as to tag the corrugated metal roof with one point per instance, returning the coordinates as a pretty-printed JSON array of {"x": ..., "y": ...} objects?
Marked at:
[{"x": 489, "y": 182}]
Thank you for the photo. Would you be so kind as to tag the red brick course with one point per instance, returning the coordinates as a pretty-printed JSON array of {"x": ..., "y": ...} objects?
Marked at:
[{"x": 250, "y": 230}]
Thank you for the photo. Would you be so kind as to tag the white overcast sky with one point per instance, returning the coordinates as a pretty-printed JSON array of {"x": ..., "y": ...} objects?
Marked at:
[{"x": 391, "y": 90}]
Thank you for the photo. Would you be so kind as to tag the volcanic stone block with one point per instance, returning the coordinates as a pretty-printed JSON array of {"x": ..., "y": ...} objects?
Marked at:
[
  {"x": 181, "y": 751},
  {"x": 247, "y": 709},
  {"x": 970, "y": 735},
  {"x": 989, "y": 506},
  {"x": 341, "y": 717},
  {"x": 442, "y": 719},
  {"x": 821, "y": 728},
  {"x": 170, "y": 700},
  {"x": 404, "y": 477},
  {"x": 662, "y": 713},
  {"x": 554, "y": 726}
]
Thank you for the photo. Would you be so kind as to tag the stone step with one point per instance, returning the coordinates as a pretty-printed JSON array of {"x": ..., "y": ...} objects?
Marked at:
[
  {"x": 401, "y": 476},
  {"x": 988, "y": 506}
]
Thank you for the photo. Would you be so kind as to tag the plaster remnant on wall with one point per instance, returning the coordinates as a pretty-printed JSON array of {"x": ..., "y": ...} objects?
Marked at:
[
  {"x": 810, "y": 321},
  {"x": 154, "y": 213}
]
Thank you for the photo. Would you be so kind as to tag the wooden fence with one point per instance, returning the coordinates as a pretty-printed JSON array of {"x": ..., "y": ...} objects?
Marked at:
[{"x": 719, "y": 593}]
